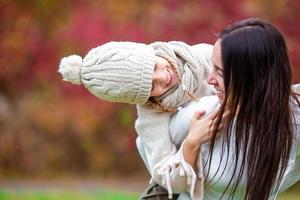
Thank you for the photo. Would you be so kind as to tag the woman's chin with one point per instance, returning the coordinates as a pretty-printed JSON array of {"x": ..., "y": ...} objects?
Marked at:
[{"x": 220, "y": 96}]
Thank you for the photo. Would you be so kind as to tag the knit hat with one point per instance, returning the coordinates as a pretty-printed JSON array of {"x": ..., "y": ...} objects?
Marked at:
[{"x": 116, "y": 71}]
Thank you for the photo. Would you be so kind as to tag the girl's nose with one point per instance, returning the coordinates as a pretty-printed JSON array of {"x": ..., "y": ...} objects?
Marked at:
[{"x": 159, "y": 77}]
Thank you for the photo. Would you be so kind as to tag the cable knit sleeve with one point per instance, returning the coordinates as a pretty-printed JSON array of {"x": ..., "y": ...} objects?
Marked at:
[
  {"x": 204, "y": 51},
  {"x": 178, "y": 176},
  {"x": 152, "y": 127},
  {"x": 166, "y": 165}
]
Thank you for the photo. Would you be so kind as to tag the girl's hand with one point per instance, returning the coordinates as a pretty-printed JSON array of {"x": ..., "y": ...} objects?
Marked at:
[{"x": 201, "y": 128}]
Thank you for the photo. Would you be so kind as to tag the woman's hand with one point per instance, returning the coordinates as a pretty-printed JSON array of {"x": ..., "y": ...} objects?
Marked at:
[
  {"x": 201, "y": 128},
  {"x": 201, "y": 131}
]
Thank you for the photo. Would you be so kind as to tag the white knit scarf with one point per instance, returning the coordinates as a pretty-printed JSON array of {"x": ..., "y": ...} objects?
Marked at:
[{"x": 193, "y": 70}]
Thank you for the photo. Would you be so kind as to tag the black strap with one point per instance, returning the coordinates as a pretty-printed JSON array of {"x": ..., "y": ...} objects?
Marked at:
[{"x": 156, "y": 192}]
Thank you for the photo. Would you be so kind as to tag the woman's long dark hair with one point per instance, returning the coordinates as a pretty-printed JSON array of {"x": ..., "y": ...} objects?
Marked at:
[{"x": 257, "y": 81}]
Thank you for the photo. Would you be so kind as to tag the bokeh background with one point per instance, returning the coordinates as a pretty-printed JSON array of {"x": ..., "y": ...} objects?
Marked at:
[{"x": 52, "y": 130}]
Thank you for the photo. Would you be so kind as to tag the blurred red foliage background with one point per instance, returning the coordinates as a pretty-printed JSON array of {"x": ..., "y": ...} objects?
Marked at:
[{"x": 51, "y": 128}]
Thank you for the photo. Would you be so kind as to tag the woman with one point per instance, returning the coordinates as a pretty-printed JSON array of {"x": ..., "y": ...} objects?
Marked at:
[{"x": 258, "y": 152}]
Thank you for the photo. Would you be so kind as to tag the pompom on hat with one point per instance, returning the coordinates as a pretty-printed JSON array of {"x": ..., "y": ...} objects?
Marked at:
[{"x": 116, "y": 71}]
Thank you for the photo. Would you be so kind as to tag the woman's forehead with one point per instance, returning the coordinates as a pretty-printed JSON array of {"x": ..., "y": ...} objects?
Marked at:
[{"x": 216, "y": 55}]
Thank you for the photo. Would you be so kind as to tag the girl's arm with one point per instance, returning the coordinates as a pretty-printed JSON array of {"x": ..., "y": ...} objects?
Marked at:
[
  {"x": 152, "y": 127},
  {"x": 166, "y": 165}
]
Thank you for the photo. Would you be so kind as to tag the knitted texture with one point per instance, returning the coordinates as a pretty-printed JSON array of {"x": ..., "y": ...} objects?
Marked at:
[
  {"x": 193, "y": 71},
  {"x": 116, "y": 71}
]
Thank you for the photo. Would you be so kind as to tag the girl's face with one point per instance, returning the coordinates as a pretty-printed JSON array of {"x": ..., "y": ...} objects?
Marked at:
[
  {"x": 215, "y": 78},
  {"x": 164, "y": 77}
]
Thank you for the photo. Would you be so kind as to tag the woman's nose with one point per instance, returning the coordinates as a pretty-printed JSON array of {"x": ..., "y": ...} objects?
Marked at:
[{"x": 211, "y": 79}]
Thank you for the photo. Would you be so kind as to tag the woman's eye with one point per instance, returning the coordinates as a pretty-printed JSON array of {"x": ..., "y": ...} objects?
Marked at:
[
  {"x": 217, "y": 70},
  {"x": 220, "y": 73}
]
